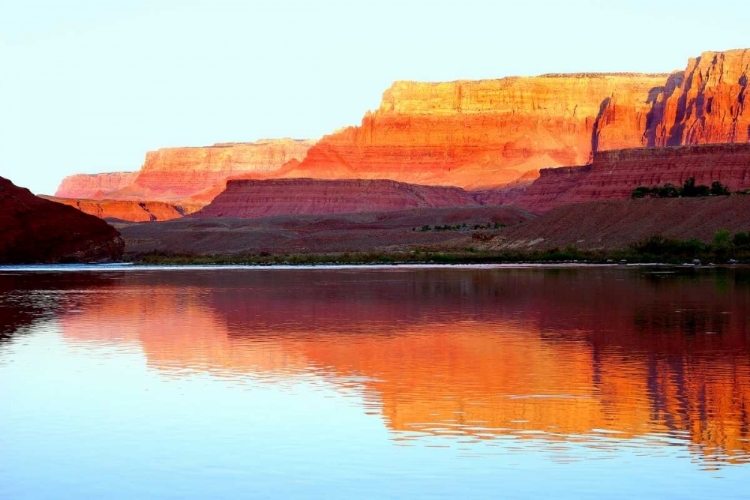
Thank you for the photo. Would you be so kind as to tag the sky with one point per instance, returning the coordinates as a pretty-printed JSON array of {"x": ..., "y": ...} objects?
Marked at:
[{"x": 90, "y": 86}]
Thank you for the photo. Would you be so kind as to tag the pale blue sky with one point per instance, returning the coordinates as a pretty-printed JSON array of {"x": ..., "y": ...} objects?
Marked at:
[{"x": 91, "y": 85}]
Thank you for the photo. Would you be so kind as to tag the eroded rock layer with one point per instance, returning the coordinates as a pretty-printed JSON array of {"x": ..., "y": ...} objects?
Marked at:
[
  {"x": 251, "y": 199},
  {"x": 477, "y": 134},
  {"x": 706, "y": 104},
  {"x": 94, "y": 186},
  {"x": 199, "y": 174},
  {"x": 129, "y": 210},
  {"x": 34, "y": 230},
  {"x": 615, "y": 174}
]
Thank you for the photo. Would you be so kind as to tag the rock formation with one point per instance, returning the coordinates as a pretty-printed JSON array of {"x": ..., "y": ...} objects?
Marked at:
[
  {"x": 187, "y": 175},
  {"x": 473, "y": 134},
  {"x": 94, "y": 186},
  {"x": 615, "y": 174},
  {"x": 252, "y": 199},
  {"x": 705, "y": 104},
  {"x": 199, "y": 174},
  {"x": 34, "y": 230},
  {"x": 477, "y": 134},
  {"x": 129, "y": 210}
]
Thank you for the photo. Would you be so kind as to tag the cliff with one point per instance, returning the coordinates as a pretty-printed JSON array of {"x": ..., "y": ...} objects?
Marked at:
[
  {"x": 34, "y": 230},
  {"x": 478, "y": 134},
  {"x": 94, "y": 186},
  {"x": 199, "y": 174},
  {"x": 615, "y": 174},
  {"x": 253, "y": 199},
  {"x": 129, "y": 210},
  {"x": 706, "y": 104}
]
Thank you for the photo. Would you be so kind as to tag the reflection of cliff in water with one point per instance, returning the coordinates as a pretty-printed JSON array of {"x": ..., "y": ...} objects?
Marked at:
[
  {"x": 29, "y": 299},
  {"x": 473, "y": 353}
]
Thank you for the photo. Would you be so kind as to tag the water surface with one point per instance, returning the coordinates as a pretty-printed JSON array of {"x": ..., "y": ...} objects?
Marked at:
[{"x": 375, "y": 383}]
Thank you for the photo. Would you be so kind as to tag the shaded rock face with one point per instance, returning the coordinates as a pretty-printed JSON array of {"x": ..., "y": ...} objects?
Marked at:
[
  {"x": 615, "y": 174},
  {"x": 94, "y": 186},
  {"x": 253, "y": 199},
  {"x": 129, "y": 210},
  {"x": 706, "y": 104},
  {"x": 479, "y": 134},
  {"x": 34, "y": 230}
]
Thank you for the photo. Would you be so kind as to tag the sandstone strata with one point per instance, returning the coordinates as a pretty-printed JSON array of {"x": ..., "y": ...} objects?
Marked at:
[
  {"x": 199, "y": 174},
  {"x": 477, "y": 134},
  {"x": 615, "y": 174},
  {"x": 94, "y": 186},
  {"x": 705, "y": 104},
  {"x": 129, "y": 210},
  {"x": 252, "y": 199},
  {"x": 34, "y": 230}
]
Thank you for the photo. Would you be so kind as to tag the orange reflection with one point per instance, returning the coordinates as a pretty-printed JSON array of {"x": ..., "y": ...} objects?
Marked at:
[{"x": 481, "y": 358}]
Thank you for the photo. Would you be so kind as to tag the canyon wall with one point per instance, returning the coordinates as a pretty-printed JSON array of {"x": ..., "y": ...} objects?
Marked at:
[
  {"x": 253, "y": 199},
  {"x": 94, "y": 186},
  {"x": 129, "y": 210},
  {"x": 187, "y": 175},
  {"x": 479, "y": 134},
  {"x": 199, "y": 174},
  {"x": 34, "y": 230},
  {"x": 706, "y": 104},
  {"x": 615, "y": 174},
  {"x": 476, "y": 135}
]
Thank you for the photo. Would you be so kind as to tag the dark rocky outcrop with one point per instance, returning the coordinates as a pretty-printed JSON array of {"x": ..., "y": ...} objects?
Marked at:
[{"x": 34, "y": 230}]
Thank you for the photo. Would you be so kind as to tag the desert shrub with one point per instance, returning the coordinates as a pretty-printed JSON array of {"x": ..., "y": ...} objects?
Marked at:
[
  {"x": 719, "y": 189},
  {"x": 741, "y": 240},
  {"x": 641, "y": 192},
  {"x": 658, "y": 245},
  {"x": 722, "y": 238},
  {"x": 667, "y": 191}
]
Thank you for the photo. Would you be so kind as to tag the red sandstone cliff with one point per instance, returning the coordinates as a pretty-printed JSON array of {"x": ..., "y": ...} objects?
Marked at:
[
  {"x": 129, "y": 210},
  {"x": 705, "y": 104},
  {"x": 477, "y": 134},
  {"x": 34, "y": 230},
  {"x": 251, "y": 199},
  {"x": 94, "y": 186},
  {"x": 614, "y": 175},
  {"x": 199, "y": 174}
]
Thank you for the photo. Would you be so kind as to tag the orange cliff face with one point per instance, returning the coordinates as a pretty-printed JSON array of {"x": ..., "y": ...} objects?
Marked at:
[
  {"x": 706, "y": 104},
  {"x": 94, "y": 186},
  {"x": 477, "y": 134},
  {"x": 187, "y": 175},
  {"x": 199, "y": 174},
  {"x": 129, "y": 210},
  {"x": 633, "y": 357}
]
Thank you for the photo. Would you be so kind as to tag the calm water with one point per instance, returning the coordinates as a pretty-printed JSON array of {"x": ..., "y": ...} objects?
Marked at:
[{"x": 375, "y": 383}]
